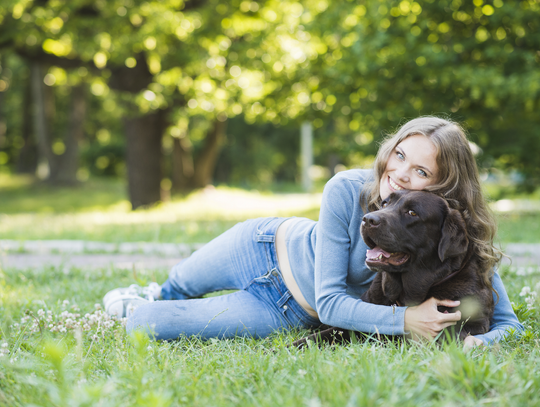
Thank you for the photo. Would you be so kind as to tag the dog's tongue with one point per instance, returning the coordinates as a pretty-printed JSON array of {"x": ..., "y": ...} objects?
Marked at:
[{"x": 376, "y": 252}]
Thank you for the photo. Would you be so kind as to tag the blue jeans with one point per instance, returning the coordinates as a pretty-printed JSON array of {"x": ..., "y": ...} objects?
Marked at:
[{"x": 243, "y": 258}]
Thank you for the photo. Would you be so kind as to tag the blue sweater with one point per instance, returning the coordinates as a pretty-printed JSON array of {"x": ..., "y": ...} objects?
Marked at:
[{"x": 328, "y": 262}]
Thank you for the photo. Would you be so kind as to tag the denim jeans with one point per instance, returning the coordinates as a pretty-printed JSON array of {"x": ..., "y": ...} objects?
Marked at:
[{"x": 243, "y": 258}]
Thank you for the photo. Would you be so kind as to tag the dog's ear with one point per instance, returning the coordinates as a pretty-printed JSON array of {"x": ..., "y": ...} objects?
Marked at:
[{"x": 454, "y": 240}]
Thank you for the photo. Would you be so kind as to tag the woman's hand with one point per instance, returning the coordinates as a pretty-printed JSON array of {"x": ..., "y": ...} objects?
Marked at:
[
  {"x": 471, "y": 342},
  {"x": 425, "y": 321}
]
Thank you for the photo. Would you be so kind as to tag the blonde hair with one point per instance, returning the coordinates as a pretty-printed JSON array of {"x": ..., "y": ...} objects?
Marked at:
[{"x": 458, "y": 182}]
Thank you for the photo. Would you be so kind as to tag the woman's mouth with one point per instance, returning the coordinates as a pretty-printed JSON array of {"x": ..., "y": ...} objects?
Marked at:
[{"x": 394, "y": 186}]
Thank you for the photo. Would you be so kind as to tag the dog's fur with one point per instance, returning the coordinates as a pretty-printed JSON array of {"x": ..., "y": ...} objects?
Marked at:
[{"x": 419, "y": 249}]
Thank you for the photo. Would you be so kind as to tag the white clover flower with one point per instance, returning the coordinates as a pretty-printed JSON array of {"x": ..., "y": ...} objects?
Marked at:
[
  {"x": 97, "y": 306},
  {"x": 65, "y": 303},
  {"x": 525, "y": 291},
  {"x": 41, "y": 313}
]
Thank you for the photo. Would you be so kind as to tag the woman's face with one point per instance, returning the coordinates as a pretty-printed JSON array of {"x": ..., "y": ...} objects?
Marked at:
[{"x": 412, "y": 165}]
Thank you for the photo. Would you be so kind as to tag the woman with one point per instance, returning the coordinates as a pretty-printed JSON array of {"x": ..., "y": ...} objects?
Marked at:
[{"x": 296, "y": 272}]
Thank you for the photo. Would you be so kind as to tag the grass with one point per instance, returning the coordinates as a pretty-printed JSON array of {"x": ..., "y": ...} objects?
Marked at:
[
  {"x": 98, "y": 210},
  {"x": 102, "y": 365}
]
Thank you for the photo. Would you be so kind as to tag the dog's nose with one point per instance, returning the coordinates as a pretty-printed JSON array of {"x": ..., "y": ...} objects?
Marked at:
[{"x": 371, "y": 219}]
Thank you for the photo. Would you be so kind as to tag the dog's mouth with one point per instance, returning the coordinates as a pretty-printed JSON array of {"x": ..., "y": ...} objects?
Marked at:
[{"x": 378, "y": 256}]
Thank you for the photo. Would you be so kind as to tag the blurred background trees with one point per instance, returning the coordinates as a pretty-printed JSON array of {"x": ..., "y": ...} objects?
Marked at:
[{"x": 175, "y": 95}]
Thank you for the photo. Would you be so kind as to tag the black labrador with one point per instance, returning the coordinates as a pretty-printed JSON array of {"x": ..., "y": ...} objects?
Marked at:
[{"x": 419, "y": 249}]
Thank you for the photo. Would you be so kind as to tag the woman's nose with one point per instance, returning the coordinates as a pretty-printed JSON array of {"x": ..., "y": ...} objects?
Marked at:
[{"x": 402, "y": 174}]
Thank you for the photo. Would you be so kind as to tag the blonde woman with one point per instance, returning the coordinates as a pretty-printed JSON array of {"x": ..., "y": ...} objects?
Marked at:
[{"x": 295, "y": 272}]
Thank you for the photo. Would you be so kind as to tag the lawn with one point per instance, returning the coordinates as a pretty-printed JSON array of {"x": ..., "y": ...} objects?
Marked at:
[{"x": 58, "y": 349}]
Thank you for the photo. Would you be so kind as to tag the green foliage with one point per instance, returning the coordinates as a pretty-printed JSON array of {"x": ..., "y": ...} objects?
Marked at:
[{"x": 356, "y": 70}]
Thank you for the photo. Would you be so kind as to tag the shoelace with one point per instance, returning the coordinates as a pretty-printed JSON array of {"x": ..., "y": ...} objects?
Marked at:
[{"x": 151, "y": 290}]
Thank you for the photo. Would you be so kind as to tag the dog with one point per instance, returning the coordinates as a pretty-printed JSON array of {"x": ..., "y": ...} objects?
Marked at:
[{"x": 418, "y": 246}]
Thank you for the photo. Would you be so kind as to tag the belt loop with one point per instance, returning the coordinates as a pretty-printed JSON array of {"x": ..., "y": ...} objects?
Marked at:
[
  {"x": 265, "y": 238},
  {"x": 284, "y": 298}
]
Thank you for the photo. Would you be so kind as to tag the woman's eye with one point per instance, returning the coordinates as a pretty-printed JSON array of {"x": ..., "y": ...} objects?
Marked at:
[
  {"x": 422, "y": 173},
  {"x": 400, "y": 156},
  {"x": 412, "y": 213}
]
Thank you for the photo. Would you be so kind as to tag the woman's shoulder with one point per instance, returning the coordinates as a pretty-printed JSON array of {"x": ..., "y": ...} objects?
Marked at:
[
  {"x": 352, "y": 177},
  {"x": 344, "y": 188}
]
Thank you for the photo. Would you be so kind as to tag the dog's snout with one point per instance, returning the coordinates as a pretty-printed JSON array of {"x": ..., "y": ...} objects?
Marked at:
[{"x": 371, "y": 219}]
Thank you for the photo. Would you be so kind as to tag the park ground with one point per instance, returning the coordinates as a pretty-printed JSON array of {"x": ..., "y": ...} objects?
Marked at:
[{"x": 58, "y": 348}]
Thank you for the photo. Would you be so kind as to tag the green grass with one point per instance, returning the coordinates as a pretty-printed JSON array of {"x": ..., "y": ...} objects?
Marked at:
[
  {"x": 105, "y": 366},
  {"x": 98, "y": 210},
  {"x": 519, "y": 227}
]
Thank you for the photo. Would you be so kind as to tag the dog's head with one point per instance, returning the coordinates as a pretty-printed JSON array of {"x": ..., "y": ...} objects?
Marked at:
[{"x": 413, "y": 230}]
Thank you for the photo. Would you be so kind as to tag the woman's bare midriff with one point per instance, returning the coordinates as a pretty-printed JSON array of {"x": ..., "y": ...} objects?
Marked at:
[{"x": 286, "y": 272}]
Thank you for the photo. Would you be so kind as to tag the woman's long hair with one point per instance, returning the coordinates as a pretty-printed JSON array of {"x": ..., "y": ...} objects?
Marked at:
[{"x": 458, "y": 180}]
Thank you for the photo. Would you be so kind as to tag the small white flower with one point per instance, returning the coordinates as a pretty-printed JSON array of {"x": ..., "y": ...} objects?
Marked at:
[
  {"x": 65, "y": 303},
  {"x": 41, "y": 313},
  {"x": 525, "y": 291}
]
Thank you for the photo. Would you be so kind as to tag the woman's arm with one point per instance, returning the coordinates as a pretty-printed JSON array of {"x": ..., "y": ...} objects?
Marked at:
[
  {"x": 504, "y": 318},
  {"x": 340, "y": 262}
]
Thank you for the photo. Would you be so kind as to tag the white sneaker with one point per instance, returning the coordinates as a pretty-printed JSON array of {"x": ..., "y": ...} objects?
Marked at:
[
  {"x": 133, "y": 289},
  {"x": 151, "y": 292},
  {"x": 122, "y": 306}
]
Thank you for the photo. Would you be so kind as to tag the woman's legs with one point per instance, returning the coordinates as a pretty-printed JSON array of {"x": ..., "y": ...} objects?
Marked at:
[
  {"x": 242, "y": 258},
  {"x": 237, "y": 314}
]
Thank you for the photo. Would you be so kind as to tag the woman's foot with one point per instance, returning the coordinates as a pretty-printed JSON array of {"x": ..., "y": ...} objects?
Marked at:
[
  {"x": 122, "y": 306},
  {"x": 122, "y": 301}
]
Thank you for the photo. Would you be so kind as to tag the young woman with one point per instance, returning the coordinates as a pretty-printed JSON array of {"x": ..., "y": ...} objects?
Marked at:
[{"x": 295, "y": 272}]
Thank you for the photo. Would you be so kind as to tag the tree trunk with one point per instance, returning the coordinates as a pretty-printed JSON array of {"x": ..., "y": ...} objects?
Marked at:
[
  {"x": 68, "y": 162},
  {"x": 27, "y": 159},
  {"x": 206, "y": 161},
  {"x": 41, "y": 130},
  {"x": 182, "y": 164},
  {"x": 143, "y": 157}
]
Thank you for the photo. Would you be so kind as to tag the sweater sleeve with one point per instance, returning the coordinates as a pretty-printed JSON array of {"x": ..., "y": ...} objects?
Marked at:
[
  {"x": 338, "y": 227},
  {"x": 504, "y": 319}
]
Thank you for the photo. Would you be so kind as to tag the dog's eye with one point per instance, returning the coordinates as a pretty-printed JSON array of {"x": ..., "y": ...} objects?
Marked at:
[
  {"x": 384, "y": 204},
  {"x": 412, "y": 213}
]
